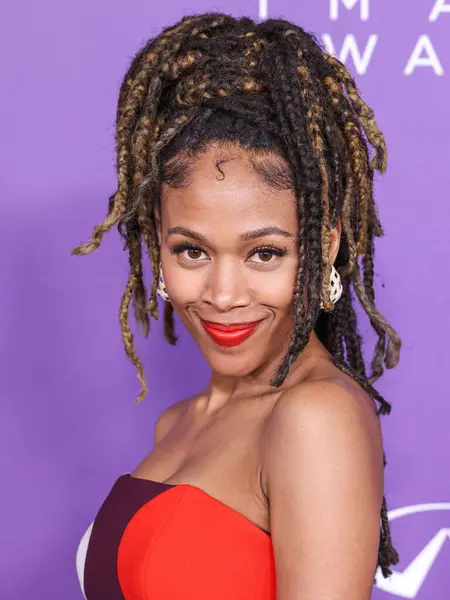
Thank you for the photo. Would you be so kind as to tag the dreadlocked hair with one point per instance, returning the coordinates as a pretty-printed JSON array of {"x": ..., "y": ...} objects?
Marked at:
[{"x": 268, "y": 87}]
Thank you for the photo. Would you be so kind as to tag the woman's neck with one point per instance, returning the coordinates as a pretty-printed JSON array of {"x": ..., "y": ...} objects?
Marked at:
[{"x": 222, "y": 390}]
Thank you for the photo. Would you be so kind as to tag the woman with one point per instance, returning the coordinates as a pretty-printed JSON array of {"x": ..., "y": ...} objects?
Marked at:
[{"x": 244, "y": 167}]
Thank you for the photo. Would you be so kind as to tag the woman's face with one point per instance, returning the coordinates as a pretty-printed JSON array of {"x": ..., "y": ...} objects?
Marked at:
[{"x": 229, "y": 257}]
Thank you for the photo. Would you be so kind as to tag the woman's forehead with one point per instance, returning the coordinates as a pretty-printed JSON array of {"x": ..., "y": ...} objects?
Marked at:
[
  {"x": 227, "y": 185},
  {"x": 233, "y": 203}
]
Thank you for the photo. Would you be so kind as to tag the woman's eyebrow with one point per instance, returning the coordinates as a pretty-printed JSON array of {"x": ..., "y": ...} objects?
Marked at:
[
  {"x": 257, "y": 233},
  {"x": 248, "y": 235},
  {"x": 188, "y": 233}
]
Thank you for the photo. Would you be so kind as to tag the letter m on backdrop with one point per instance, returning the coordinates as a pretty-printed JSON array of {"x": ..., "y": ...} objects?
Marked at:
[{"x": 349, "y": 4}]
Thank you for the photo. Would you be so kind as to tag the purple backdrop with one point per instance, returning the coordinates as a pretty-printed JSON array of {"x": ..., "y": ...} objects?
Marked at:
[{"x": 68, "y": 424}]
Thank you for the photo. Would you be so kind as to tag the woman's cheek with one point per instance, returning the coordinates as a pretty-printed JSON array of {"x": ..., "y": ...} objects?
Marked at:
[
  {"x": 275, "y": 288},
  {"x": 184, "y": 285}
]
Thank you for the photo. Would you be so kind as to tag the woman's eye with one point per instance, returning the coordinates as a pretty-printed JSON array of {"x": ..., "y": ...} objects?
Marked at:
[
  {"x": 268, "y": 255},
  {"x": 188, "y": 251},
  {"x": 193, "y": 253},
  {"x": 265, "y": 255}
]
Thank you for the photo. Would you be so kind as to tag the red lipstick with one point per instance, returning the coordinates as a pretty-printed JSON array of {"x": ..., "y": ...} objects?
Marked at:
[{"x": 230, "y": 335}]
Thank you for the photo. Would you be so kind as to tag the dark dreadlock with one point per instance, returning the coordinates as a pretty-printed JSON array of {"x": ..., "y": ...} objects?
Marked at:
[{"x": 268, "y": 87}]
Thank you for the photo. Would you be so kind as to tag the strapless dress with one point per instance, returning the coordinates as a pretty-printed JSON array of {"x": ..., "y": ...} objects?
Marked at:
[{"x": 160, "y": 541}]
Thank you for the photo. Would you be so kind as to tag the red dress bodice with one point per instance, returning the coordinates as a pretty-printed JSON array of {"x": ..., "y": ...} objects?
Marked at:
[{"x": 158, "y": 541}]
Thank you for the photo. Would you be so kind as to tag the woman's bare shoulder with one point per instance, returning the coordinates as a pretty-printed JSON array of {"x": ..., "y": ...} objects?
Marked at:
[
  {"x": 327, "y": 380},
  {"x": 325, "y": 395},
  {"x": 331, "y": 399},
  {"x": 322, "y": 461},
  {"x": 171, "y": 416}
]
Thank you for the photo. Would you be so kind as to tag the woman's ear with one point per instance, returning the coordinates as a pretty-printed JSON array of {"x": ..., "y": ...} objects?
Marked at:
[{"x": 335, "y": 240}]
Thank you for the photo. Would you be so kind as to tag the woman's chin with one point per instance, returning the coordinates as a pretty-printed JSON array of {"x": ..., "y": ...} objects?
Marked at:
[{"x": 233, "y": 366}]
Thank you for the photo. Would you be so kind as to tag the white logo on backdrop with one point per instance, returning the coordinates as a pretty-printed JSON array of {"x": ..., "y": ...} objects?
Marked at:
[
  {"x": 349, "y": 4},
  {"x": 407, "y": 583},
  {"x": 350, "y": 47},
  {"x": 423, "y": 53},
  {"x": 439, "y": 7}
]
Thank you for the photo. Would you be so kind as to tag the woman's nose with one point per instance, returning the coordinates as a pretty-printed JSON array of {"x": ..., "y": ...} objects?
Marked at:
[{"x": 226, "y": 287}]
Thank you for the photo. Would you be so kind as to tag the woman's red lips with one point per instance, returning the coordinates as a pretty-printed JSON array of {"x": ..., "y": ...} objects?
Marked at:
[{"x": 230, "y": 335}]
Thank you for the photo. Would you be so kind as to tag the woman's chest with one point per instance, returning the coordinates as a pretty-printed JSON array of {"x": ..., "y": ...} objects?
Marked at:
[
  {"x": 220, "y": 456},
  {"x": 193, "y": 506}
]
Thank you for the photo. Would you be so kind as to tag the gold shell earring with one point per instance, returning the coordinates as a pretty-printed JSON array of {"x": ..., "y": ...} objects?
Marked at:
[
  {"x": 335, "y": 286},
  {"x": 162, "y": 290}
]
